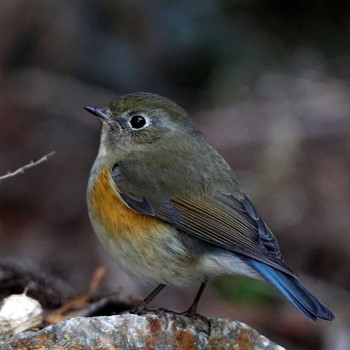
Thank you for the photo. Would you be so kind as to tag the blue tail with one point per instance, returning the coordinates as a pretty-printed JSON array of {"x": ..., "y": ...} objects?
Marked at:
[{"x": 290, "y": 287}]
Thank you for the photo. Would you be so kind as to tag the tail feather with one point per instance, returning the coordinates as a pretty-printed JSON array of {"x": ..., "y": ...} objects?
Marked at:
[{"x": 291, "y": 288}]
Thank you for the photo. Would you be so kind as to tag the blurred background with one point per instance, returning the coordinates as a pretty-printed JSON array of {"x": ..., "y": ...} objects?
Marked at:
[{"x": 266, "y": 81}]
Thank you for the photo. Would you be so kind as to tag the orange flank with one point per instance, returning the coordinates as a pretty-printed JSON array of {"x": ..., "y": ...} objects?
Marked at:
[{"x": 115, "y": 215}]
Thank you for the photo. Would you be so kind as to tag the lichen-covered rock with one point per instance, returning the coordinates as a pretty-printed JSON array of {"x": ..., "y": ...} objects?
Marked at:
[{"x": 165, "y": 330}]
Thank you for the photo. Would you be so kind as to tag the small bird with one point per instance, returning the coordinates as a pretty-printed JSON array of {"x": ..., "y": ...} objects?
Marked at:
[{"x": 169, "y": 209}]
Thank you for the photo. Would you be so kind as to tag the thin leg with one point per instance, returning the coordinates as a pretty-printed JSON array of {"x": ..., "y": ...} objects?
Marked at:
[
  {"x": 142, "y": 306},
  {"x": 193, "y": 307}
]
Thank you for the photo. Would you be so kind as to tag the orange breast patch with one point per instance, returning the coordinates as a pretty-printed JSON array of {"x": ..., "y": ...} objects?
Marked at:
[{"x": 115, "y": 216}]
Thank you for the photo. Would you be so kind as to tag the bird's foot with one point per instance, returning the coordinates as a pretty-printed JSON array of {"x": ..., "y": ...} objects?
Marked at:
[{"x": 194, "y": 314}]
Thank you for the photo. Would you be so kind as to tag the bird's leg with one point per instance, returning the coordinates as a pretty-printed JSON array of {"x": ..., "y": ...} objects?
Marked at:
[
  {"x": 193, "y": 308},
  {"x": 142, "y": 306},
  {"x": 192, "y": 311}
]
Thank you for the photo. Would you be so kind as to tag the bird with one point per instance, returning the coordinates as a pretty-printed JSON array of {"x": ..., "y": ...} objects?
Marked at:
[{"x": 169, "y": 209}]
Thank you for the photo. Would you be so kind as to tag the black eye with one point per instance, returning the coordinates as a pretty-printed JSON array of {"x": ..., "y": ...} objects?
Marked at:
[{"x": 138, "y": 122}]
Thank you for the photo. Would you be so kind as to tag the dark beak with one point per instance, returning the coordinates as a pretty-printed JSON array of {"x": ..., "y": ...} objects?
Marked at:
[{"x": 98, "y": 112}]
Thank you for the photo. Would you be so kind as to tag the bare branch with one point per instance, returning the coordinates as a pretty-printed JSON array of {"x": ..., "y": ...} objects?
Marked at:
[{"x": 27, "y": 166}]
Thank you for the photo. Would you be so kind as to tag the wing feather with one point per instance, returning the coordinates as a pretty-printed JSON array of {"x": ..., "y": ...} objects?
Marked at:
[{"x": 220, "y": 219}]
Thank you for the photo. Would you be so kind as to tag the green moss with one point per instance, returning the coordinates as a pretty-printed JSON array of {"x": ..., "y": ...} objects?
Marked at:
[{"x": 246, "y": 290}]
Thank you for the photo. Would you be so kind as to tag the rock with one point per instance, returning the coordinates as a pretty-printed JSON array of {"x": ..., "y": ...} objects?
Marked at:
[{"x": 161, "y": 330}]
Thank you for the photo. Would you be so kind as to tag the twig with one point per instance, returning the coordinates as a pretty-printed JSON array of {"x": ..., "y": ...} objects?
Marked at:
[{"x": 27, "y": 166}]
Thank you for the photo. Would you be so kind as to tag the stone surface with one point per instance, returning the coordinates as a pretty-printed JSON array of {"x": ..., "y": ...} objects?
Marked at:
[{"x": 164, "y": 330}]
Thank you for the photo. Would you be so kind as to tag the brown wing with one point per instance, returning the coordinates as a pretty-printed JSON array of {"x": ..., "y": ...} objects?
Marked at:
[{"x": 220, "y": 219}]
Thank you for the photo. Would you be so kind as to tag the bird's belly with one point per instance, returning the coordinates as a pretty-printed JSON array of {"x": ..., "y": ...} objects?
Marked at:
[{"x": 142, "y": 245}]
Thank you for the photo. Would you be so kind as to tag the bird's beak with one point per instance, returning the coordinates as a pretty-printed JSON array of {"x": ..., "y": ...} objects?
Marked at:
[{"x": 98, "y": 112}]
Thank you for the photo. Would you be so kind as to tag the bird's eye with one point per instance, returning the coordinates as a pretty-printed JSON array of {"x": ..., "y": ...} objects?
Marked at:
[{"x": 138, "y": 122}]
